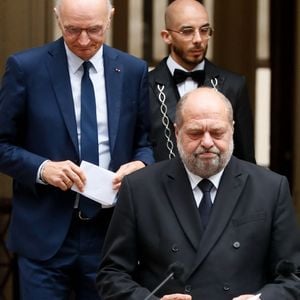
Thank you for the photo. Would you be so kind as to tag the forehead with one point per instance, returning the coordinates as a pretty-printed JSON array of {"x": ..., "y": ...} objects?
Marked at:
[
  {"x": 82, "y": 12},
  {"x": 194, "y": 15},
  {"x": 206, "y": 122},
  {"x": 206, "y": 108}
]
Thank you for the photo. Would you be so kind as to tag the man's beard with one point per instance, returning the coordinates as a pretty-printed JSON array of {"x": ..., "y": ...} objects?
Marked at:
[
  {"x": 205, "y": 167},
  {"x": 189, "y": 60}
]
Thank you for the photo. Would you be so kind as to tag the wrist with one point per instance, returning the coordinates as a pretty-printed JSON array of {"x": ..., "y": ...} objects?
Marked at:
[{"x": 42, "y": 173}]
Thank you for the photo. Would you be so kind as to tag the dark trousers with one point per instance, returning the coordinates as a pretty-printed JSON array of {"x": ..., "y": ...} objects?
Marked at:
[{"x": 72, "y": 271}]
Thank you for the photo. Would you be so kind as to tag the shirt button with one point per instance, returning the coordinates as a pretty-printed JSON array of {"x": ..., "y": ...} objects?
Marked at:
[
  {"x": 226, "y": 287},
  {"x": 236, "y": 245}
]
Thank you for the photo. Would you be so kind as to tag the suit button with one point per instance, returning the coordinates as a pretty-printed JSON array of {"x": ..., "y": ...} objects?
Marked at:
[
  {"x": 226, "y": 287},
  {"x": 175, "y": 248},
  {"x": 187, "y": 289},
  {"x": 236, "y": 245}
]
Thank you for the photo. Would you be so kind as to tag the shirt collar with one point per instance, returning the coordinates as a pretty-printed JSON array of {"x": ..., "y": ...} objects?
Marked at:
[
  {"x": 75, "y": 62},
  {"x": 172, "y": 65},
  {"x": 195, "y": 179}
]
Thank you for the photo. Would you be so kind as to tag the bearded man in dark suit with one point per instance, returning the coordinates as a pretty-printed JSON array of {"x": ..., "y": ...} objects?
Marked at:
[
  {"x": 229, "y": 239},
  {"x": 187, "y": 34}
]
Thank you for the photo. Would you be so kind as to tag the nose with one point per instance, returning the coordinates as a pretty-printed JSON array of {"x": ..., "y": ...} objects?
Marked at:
[
  {"x": 207, "y": 141},
  {"x": 83, "y": 38},
  {"x": 197, "y": 36}
]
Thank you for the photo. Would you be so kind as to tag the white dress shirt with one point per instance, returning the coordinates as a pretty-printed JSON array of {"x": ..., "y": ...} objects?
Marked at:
[
  {"x": 195, "y": 179},
  {"x": 98, "y": 80}
]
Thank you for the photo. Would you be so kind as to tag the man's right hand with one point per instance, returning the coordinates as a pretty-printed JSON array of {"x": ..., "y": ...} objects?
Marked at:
[{"x": 63, "y": 174}]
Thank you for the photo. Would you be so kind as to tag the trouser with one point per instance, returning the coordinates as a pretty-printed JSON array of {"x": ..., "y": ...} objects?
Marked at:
[{"x": 73, "y": 268}]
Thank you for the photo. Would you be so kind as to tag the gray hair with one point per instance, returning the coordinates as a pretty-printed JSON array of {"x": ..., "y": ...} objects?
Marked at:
[
  {"x": 58, "y": 4},
  {"x": 182, "y": 100}
]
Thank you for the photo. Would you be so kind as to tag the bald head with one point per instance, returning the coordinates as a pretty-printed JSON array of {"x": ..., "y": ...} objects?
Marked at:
[
  {"x": 202, "y": 100},
  {"x": 180, "y": 8}
]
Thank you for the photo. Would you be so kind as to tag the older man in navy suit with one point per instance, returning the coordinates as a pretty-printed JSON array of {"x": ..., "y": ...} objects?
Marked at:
[{"x": 56, "y": 233}]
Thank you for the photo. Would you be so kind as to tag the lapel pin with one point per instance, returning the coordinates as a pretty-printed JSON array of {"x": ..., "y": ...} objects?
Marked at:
[{"x": 117, "y": 70}]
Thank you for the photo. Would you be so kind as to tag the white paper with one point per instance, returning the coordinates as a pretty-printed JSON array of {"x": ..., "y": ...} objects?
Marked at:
[{"x": 98, "y": 184}]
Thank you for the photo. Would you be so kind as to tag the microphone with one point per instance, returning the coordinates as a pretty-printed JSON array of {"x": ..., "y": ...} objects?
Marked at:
[
  {"x": 287, "y": 268},
  {"x": 175, "y": 270}
]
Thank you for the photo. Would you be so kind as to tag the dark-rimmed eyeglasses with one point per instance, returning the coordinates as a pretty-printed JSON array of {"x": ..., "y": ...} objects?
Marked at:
[{"x": 189, "y": 32}]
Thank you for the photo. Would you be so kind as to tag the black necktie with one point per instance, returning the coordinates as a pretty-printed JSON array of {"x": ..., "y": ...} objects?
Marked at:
[
  {"x": 180, "y": 76},
  {"x": 89, "y": 134},
  {"x": 205, "y": 206}
]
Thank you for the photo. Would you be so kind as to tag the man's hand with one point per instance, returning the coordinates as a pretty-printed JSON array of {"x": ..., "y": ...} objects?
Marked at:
[
  {"x": 63, "y": 174},
  {"x": 176, "y": 297},
  {"x": 125, "y": 170}
]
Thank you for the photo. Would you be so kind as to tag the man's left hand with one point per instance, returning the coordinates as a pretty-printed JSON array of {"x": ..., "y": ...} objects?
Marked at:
[{"x": 125, "y": 170}]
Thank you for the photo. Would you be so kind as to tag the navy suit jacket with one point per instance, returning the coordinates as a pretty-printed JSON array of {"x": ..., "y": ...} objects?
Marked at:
[
  {"x": 251, "y": 228},
  {"x": 37, "y": 122},
  {"x": 232, "y": 85}
]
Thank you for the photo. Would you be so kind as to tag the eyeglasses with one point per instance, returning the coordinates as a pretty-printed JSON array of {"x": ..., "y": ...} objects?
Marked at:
[
  {"x": 92, "y": 32},
  {"x": 189, "y": 32}
]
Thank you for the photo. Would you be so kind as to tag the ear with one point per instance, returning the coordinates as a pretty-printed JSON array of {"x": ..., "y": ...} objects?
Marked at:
[
  {"x": 167, "y": 38},
  {"x": 57, "y": 18},
  {"x": 110, "y": 16},
  {"x": 55, "y": 13}
]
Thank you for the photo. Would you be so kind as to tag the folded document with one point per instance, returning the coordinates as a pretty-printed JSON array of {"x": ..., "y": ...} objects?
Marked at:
[{"x": 98, "y": 184}]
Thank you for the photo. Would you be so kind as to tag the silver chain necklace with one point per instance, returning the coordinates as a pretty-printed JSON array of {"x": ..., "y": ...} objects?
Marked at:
[{"x": 165, "y": 119}]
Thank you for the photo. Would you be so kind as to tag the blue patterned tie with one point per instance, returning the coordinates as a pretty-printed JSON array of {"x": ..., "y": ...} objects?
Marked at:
[
  {"x": 89, "y": 135},
  {"x": 205, "y": 206}
]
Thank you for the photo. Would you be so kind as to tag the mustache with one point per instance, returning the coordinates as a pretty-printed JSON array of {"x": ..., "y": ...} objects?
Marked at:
[
  {"x": 197, "y": 47},
  {"x": 201, "y": 150}
]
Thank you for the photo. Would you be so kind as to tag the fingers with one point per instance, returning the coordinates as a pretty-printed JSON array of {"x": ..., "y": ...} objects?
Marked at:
[
  {"x": 246, "y": 297},
  {"x": 63, "y": 175},
  {"x": 177, "y": 297},
  {"x": 125, "y": 170}
]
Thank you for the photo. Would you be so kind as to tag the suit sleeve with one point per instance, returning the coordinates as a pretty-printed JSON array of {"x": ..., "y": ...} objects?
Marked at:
[
  {"x": 143, "y": 150},
  {"x": 284, "y": 245},
  {"x": 15, "y": 160},
  {"x": 115, "y": 278}
]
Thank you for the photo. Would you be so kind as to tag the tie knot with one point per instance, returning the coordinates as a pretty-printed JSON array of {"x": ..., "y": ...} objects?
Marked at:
[
  {"x": 180, "y": 76},
  {"x": 86, "y": 66},
  {"x": 205, "y": 185}
]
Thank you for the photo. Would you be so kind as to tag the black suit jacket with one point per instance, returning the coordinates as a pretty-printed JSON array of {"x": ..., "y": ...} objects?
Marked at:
[
  {"x": 156, "y": 222},
  {"x": 233, "y": 86}
]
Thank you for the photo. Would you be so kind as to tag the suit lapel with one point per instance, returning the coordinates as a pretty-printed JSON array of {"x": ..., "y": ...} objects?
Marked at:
[
  {"x": 113, "y": 73},
  {"x": 163, "y": 79},
  {"x": 60, "y": 79},
  {"x": 213, "y": 77},
  {"x": 231, "y": 186},
  {"x": 182, "y": 200}
]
